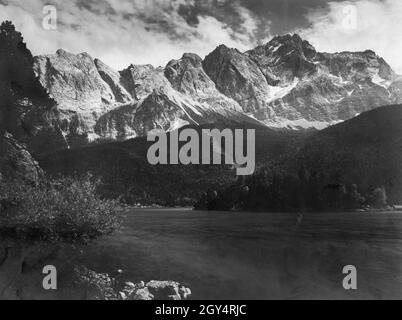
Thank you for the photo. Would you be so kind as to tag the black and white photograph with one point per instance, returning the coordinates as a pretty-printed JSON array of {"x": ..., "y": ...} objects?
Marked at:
[{"x": 200, "y": 150}]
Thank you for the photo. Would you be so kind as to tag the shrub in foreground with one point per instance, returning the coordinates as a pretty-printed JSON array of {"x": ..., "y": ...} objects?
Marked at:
[{"x": 58, "y": 210}]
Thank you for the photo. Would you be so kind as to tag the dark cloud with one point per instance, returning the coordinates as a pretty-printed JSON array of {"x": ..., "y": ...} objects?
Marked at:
[
  {"x": 231, "y": 13},
  {"x": 272, "y": 16},
  {"x": 190, "y": 14},
  {"x": 286, "y": 15},
  {"x": 122, "y": 32}
]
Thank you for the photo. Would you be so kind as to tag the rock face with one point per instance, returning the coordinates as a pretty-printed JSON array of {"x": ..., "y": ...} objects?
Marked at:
[
  {"x": 96, "y": 103},
  {"x": 288, "y": 83},
  {"x": 188, "y": 77},
  {"x": 284, "y": 58},
  {"x": 238, "y": 77},
  {"x": 81, "y": 93},
  {"x": 155, "y": 105},
  {"x": 16, "y": 162},
  {"x": 74, "y": 81},
  {"x": 285, "y": 83}
]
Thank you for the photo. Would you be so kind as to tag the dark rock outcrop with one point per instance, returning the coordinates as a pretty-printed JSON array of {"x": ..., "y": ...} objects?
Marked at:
[{"x": 16, "y": 162}]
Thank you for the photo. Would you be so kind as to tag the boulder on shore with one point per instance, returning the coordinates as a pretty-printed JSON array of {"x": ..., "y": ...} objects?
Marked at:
[{"x": 102, "y": 286}]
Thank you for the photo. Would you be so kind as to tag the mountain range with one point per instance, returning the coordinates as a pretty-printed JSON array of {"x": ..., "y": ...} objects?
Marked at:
[
  {"x": 283, "y": 84},
  {"x": 76, "y": 115}
]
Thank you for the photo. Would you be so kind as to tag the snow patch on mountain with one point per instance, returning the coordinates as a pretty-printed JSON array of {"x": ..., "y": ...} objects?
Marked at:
[
  {"x": 299, "y": 124},
  {"x": 380, "y": 81},
  {"x": 279, "y": 92}
]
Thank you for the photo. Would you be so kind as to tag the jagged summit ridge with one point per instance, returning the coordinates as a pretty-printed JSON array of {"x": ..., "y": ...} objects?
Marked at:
[
  {"x": 96, "y": 103},
  {"x": 302, "y": 87},
  {"x": 283, "y": 83}
]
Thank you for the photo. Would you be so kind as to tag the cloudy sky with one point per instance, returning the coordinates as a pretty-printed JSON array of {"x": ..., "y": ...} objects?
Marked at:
[{"x": 121, "y": 32}]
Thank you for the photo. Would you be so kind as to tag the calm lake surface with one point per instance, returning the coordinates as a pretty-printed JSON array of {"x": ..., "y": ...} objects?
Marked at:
[{"x": 226, "y": 255}]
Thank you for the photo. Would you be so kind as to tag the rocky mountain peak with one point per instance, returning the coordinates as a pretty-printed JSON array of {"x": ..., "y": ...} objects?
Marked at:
[
  {"x": 287, "y": 45},
  {"x": 77, "y": 59},
  {"x": 113, "y": 79},
  {"x": 284, "y": 58},
  {"x": 357, "y": 66},
  {"x": 192, "y": 58},
  {"x": 73, "y": 80},
  {"x": 284, "y": 83},
  {"x": 188, "y": 76},
  {"x": 223, "y": 48},
  {"x": 141, "y": 80},
  {"x": 293, "y": 40},
  {"x": 237, "y": 76},
  {"x": 222, "y": 51}
]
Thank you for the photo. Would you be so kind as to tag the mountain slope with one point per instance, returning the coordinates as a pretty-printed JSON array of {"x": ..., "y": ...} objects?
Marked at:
[
  {"x": 285, "y": 83},
  {"x": 366, "y": 151},
  {"x": 96, "y": 103},
  {"x": 343, "y": 167},
  {"x": 125, "y": 171}
]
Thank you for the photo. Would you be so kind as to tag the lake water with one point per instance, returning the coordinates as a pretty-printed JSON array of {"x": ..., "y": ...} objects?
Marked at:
[{"x": 226, "y": 255}]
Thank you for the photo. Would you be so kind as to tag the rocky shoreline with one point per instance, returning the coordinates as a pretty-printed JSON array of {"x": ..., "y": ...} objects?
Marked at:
[
  {"x": 102, "y": 286},
  {"x": 21, "y": 277}
]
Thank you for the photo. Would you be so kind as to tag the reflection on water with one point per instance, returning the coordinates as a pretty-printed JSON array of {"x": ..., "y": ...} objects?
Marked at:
[{"x": 226, "y": 255}]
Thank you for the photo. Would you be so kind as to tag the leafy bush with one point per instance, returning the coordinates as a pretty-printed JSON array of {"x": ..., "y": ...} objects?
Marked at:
[{"x": 57, "y": 210}]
